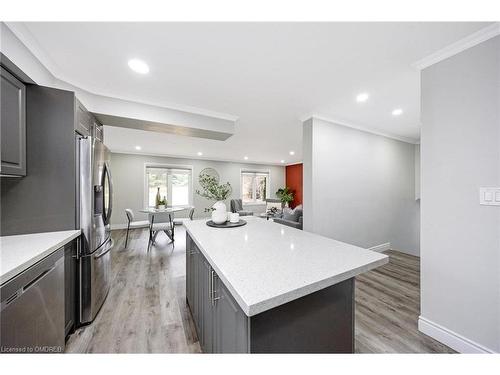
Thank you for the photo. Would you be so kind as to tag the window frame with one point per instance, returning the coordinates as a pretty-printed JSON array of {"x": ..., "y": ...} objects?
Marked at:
[
  {"x": 255, "y": 172},
  {"x": 169, "y": 168}
]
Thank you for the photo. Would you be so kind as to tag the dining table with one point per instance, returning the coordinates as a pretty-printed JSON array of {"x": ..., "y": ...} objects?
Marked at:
[{"x": 170, "y": 211}]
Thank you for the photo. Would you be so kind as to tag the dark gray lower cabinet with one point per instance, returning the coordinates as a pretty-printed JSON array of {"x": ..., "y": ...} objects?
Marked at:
[
  {"x": 70, "y": 286},
  {"x": 321, "y": 322},
  {"x": 32, "y": 308}
]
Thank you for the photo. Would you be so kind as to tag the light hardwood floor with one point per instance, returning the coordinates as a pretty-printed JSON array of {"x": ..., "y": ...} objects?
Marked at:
[
  {"x": 387, "y": 309},
  {"x": 145, "y": 311}
]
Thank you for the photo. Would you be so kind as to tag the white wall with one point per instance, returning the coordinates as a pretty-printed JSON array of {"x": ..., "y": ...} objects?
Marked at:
[
  {"x": 359, "y": 187},
  {"x": 460, "y": 146},
  {"x": 417, "y": 171},
  {"x": 128, "y": 182}
]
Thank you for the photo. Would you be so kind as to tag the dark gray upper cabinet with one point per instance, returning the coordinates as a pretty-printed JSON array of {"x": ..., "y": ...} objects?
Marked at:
[
  {"x": 83, "y": 119},
  {"x": 86, "y": 124},
  {"x": 13, "y": 125},
  {"x": 48, "y": 191},
  {"x": 97, "y": 130}
]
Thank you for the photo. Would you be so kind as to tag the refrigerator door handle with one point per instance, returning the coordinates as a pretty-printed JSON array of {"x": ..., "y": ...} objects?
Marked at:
[
  {"x": 107, "y": 174},
  {"x": 85, "y": 194}
]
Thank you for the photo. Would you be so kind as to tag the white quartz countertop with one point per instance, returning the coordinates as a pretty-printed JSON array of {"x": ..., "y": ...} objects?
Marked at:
[
  {"x": 266, "y": 264},
  {"x": 18, "y": 253}
]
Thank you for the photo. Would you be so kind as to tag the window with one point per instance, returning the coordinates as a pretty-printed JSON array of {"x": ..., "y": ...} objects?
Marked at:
[
  {"x": 174, "y": 185},
  {"x": 254, "y": 187},
  {"x": 180, "y": 188}
]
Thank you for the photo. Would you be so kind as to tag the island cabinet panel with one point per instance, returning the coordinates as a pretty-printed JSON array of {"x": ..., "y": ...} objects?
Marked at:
[
  {"x": 231, "y": 323},
  {"x": 200, "y": 304},
  {"x": 221, "y": 325},
  {"x": 207, "y": 315},
  {"x": 321, "y": 322},
  {"x": 190, "y": 251}
]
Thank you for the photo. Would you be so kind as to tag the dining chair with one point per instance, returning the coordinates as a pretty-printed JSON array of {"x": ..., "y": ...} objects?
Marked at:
[
  {"x": 132, "y": 224},
  {"x": 159, "y": 222},
  {"x": 180, "y": 221}
]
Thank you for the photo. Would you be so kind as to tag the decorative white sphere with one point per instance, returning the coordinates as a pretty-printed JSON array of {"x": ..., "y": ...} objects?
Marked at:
[{"x": 219, "y": 216}]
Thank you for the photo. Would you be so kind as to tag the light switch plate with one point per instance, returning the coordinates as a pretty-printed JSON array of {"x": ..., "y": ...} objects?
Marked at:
[{"x": 489, "y": 196}]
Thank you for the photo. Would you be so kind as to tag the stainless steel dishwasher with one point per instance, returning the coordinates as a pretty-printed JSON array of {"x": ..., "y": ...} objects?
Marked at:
[{"x": 32, "y": 308}]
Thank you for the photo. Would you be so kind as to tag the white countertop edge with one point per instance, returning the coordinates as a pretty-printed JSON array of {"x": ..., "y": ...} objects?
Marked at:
[
  {"x": 24, "y": 266},
  {"x": 291, "y": 295},
  {"x": 309, "y": 289}
]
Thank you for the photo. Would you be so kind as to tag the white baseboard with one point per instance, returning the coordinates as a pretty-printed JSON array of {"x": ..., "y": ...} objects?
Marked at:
[
  {"x": 124, "y": 226},
  {"x": 381, "y": 247},
  {"x": 453, "y": 340}
]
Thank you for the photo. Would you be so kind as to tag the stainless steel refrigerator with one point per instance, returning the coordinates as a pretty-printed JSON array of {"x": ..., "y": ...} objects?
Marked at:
[{"x": 94, "y": 211}]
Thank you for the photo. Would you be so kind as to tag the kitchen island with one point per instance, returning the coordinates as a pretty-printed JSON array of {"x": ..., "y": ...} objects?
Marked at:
[{"x": 267, "y": 288}]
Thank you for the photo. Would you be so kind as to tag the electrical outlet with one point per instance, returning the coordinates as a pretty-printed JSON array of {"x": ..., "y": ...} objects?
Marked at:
[{"x": 489, "y": 196}]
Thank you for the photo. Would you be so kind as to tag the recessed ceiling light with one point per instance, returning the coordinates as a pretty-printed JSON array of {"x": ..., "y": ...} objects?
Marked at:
[
  {"x": 282, "y": 161},
  {"x": 138, "y": 66},
  {"x": 138, "y": 148},
  {"x": 397, "y": 112},
  {"x": 363, "y": 97},
  {"x": 245, "y": 157},
  {"x": 292, "y": 152},
  {"x": 199, "y": 153}
]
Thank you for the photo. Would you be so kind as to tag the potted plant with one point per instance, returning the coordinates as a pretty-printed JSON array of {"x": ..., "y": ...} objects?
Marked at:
[
  {"x": 162, "y": 203},
  {"x": 214, "y": 191},
  {"x": 285, "y": 195}
]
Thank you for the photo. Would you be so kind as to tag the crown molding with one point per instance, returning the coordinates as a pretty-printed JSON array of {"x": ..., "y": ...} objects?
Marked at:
[
  {"x": 27, "y": 38},
  {"x": 360, "y": 127},
  {"x": 461, "y": 45}
]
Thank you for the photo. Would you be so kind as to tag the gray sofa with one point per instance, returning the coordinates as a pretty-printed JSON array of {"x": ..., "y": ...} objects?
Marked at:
[
  {"x": 291, "y": 218},
  {"x": 237, "y": 206}
]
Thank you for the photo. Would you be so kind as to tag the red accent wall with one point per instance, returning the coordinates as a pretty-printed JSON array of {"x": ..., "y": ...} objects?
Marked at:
[{"x": 293, "y": 180}]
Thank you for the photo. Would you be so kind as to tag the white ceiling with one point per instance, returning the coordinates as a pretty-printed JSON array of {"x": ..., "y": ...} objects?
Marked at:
[{"x": 269, "y": 75}]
